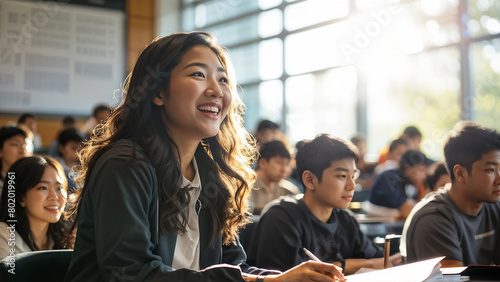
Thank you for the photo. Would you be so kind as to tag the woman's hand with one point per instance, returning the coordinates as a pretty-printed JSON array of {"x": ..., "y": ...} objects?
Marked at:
[{"x": 309, "y": 271}]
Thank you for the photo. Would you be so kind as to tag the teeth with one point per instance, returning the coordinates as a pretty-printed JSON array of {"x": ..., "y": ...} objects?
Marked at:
[
  {"x": 52, "y": 208},
  {"x": 211, "y": 109}
]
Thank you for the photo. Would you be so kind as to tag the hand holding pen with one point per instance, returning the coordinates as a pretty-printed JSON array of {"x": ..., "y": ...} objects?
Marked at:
[
  {"x": 316, "y": 259},
  {"x": 304, "y": 272}
]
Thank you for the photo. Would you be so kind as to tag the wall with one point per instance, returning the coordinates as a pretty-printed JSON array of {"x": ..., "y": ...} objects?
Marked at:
[{"x": 140, "y": 32}]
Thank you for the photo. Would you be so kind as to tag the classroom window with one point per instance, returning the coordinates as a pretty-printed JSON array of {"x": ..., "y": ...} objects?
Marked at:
[
  {"x": 485, "y": 59},
  {"x": 369, "y": 66}
]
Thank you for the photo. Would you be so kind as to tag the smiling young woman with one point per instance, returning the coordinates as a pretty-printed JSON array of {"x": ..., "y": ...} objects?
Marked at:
[
  {"x": 167, "y": 177},
  {"x": 37, "y": 188}
]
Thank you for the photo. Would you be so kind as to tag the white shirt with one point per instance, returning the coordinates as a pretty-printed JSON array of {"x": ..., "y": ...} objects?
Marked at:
[
  {"x": 187, "y": 247},
  {"x": 19, "y": 247}
]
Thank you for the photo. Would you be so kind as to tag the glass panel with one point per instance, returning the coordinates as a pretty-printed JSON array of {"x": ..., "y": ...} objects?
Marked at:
[
  {"x": 188, "y": 19},
  {"x": 245, "y": 60},
  {"x": 336, "y": 103},
  {"x": 236, "y": 31},
  {"x": 263, "y": 101},
  {"x": 413, "y": 26},
  {"x": 250, "y": 96},
  {"x": 485, "y": 72},
  {"x": 271, "y": 100},
  {"x": 484, "y": 17},
  {"x": 314, "y": 11},
  {"x": 270, "y": 23},
  {"x": 267, "y": 4},
  {"x": 215, "y": 11},
  {"x": 422, "y": 90},
  {"x": 321, "y": 103},
  {"x": 312, "y": 50},
  {"x": 371, "y": 4},
  {"x": 299, "y": 99},
  {"x": 270, "y": 59}
]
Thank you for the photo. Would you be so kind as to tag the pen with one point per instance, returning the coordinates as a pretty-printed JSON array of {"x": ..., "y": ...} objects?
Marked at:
[{"x": 311, "y": 255}]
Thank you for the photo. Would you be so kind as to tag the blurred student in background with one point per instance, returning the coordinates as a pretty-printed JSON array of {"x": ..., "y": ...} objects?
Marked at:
[
  {"x": 67, "y": 122},
  {"x": 40, "y": 199},
  {"x": 413, "y": 137},
  {"x": 273, "y": 167},
  {"x": 366, "y": 177},
  {"x": 99, "y": 114},
  {"x": 396, "y": 150},
  {"x": 28, "y": 121},
  {"x": 438, "y": 177},
  {"x": 12, "y": 148},
  {"x": 395, "y": 192},
  {"x": 69, "y": 141},
  {"x": 267, "y": 131}
]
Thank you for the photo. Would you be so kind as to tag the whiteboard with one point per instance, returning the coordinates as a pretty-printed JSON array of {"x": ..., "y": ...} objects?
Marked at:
[{"x": 59, "y": 59}]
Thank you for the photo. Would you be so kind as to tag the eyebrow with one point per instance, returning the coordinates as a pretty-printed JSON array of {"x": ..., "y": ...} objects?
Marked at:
[
  {"x": 205, "y": 66},
  {"x": 48, "y": 182},
  {"x": 491, "y": 163},
  {"x": 341, "y": 169}
]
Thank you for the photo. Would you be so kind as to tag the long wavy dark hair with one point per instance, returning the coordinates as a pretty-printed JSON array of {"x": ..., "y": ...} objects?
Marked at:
[
  {"x": 228, "y": 155},
  {"x": 28, "y": 172}
]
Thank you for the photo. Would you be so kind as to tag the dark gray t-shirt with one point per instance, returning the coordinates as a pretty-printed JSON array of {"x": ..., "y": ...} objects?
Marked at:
[{"x": 436, "y": 227}]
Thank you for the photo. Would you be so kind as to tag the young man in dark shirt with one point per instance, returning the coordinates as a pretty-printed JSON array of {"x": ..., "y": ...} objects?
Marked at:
[
  {"x": 317, "y": 221},
  {"x": 461, "y": 221}
]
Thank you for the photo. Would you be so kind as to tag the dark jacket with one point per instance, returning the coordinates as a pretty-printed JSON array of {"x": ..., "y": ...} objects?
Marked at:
[
  {"x": 289, "y": 226},
  {"x": 118, "y": 236}
]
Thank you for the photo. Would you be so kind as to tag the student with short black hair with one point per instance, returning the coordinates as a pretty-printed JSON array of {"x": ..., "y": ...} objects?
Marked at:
[
  {"x": 12, "y": 148},
  {"x": 395, "y": 192},
  {"x": 100, "y": 112},
  {"x": 318, "y": 220},
  {"x": 413, "y": 137},
  {"x": 69, "y": 141},
  {"x": 67, "y": 123},
  {"x": 462, "y": 221},
  {"x": 438, "y": 177},
  {"x": 28, "y": 123},
  {"x": 273, "y": 167},
  {"x": 266, "y": 131},
  {"x": 397, "y": 148}
]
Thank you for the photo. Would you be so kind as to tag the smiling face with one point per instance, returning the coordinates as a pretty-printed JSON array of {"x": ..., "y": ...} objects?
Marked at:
[
  {"x": 199, "y": 96},
  {"x": 337, "y": 185},
  {"x": 44, "y": 203},
  {"x": 483, "y": 181}
]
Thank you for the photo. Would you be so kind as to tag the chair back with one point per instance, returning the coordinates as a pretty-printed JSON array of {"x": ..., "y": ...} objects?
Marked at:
[{"x": 37, "y": 266}]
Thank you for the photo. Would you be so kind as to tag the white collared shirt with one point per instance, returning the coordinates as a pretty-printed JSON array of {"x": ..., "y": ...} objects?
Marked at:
[{"x": 187, "y": 247}]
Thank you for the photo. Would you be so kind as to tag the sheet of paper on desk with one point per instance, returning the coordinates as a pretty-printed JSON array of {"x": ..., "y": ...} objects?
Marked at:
[{"x": 427, "y": 270}]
